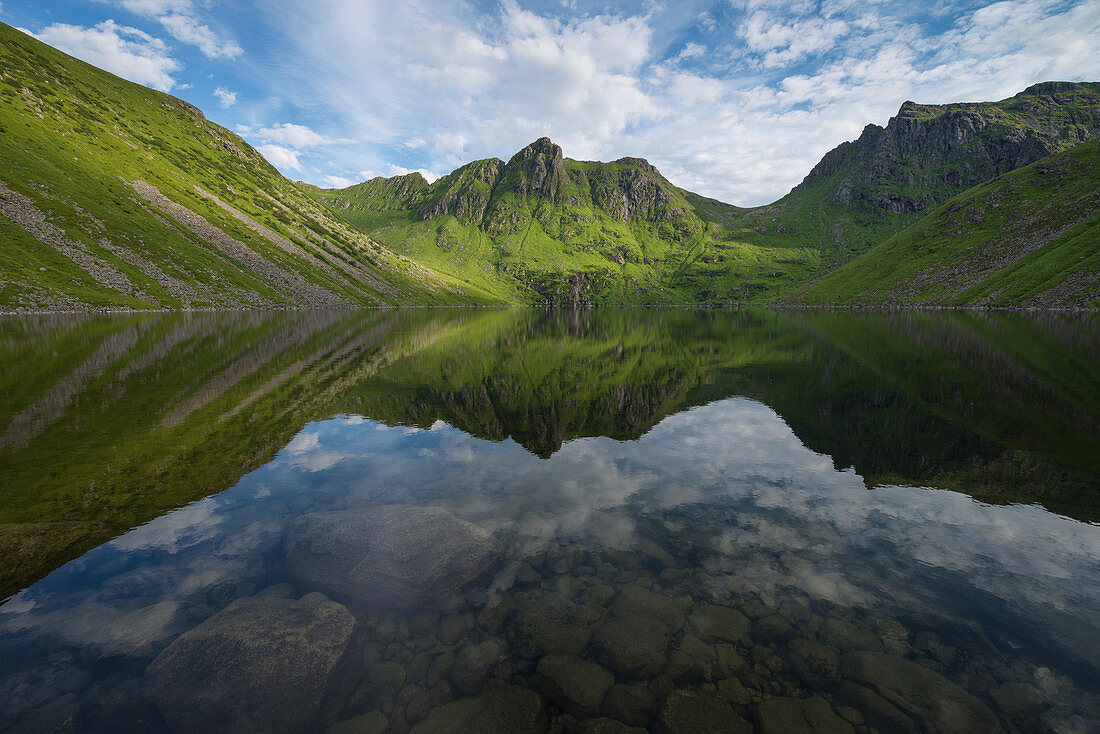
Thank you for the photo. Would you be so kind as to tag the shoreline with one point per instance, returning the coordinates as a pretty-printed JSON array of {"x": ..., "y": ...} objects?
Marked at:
[{"x": 549, "y": 307}]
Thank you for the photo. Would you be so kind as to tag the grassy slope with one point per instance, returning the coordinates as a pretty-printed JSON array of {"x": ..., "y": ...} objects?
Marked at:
[
  {"x": 1030, "y": 237},
  {"x": 73, "y": 138},
  {"x": 814, "y": 215},
  {"x": 546, "y": 246}
]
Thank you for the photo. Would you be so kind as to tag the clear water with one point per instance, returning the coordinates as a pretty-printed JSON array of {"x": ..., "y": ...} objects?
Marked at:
[{"x": 516, "y": 520}]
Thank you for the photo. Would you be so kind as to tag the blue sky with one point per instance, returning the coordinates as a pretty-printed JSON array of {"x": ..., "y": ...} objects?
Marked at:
[{"x": 735, "y": 99}]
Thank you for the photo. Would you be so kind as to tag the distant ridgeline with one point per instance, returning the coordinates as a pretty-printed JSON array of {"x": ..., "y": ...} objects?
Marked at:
[{"x": 113, "y": 195}]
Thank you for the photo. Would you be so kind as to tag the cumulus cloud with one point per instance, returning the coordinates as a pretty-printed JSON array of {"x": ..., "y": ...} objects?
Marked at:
[
  {"x": 122, "y": 50},
  {"x": 181, "y": 19},
  {"x": 286, "y": 144},
  {"x": 338, "y": 182},
  {"x": 225, "y": 97},
  {"x": 281, "y": 157},
  {"x": 296, "y": 136}
]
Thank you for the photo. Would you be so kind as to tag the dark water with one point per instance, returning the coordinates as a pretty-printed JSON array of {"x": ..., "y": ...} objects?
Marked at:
[{"x": 514, "y": 520}]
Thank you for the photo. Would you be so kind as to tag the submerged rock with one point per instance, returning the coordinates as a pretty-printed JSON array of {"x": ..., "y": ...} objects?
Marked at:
[
  {"x": 555, "y": 625},
  {"x": 700, "y": 713},
  {"x": 815, "y": 663},
  {"x": 472, "y": 666},
  {"x": 607, "y": 726},
  {"x": 720, "y": 623},
  {"x": 800, "y": 716},
  {"x": 576, "y": 685},
  {"x": 635, "y": 647},
  {"x": 631, "y": 704},
  {"x": 260, "y": 664},
  {"x": 499, "y": 710},
  {"x": 639, "y": 601},
  {"x": 396, "y": 556},
  {"x": 921, "y": 693}
]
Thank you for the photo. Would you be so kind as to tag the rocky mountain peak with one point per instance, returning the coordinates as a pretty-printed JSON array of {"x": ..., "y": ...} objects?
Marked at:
[
  {"x": 927, "y": 152},
  {"x": 539, "y": 169},
  {"x": 542, "y": 147},
  {"x": 641, "y": 163}
]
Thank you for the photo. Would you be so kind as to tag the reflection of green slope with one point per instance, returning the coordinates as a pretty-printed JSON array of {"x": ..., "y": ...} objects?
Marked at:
[
  {"x": 1001, "y": 406},
  {"x": 137, "y": 415},
  {"x": 106, "y": 423},
  {"x": 543, "y": 378},
  {"x": 929, "y": 399}
]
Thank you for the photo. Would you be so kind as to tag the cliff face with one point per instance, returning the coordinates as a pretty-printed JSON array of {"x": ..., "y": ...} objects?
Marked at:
[
  {"x": 538, "y": 170},
  {"x": 926, "y": 153}
]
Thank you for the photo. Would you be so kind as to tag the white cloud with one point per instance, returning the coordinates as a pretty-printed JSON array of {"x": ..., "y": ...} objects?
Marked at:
[
  {"x": 296, "y": 136},
  {"x": 180, "y": 19},
  {"x": 286, "y": 143},
  {"x": 783, "y": 42},
  {"x": 430, "y": 176},
  {"x": 186, "y": 29},
  {"x": 338, "y": 182},
  {"x": 122, "y": 50},
  {"x": 280, "y": 157},
  {"x": 225, "y": 97}
]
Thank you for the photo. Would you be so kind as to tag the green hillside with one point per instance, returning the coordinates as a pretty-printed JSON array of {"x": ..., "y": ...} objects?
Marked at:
[
  {"x": 550, "y": 229},
  {"x": 866, "y": 190},
  {"x": 1028, "y": 238},
  {"x": 546, "y": 228},
  {"x": 115, "y": 195}
]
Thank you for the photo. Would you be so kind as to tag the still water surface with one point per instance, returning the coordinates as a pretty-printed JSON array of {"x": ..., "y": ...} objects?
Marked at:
[{"x": 516, "y": 520}]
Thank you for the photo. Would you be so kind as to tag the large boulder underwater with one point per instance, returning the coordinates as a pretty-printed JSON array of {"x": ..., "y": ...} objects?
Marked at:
[{"x": 390, "y": 556}]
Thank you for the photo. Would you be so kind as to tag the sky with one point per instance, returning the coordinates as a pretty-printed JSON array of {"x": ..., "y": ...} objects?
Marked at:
[{"x": 734, "y": 99}]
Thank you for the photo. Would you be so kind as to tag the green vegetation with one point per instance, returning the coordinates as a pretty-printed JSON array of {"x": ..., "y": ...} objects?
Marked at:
[
  {"x": 550, "y": 229},
  {"x": 212, "y": 224},
  {"x": 1028, "y": 238}
]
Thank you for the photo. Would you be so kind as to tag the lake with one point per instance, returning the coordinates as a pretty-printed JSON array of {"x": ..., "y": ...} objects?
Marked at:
[{"x": 518, "y": 520}]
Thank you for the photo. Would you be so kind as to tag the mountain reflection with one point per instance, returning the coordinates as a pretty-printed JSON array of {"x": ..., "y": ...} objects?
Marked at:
[{"x": 107, "y": 422}]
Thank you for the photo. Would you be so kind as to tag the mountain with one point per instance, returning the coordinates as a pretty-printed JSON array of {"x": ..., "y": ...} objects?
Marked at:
[
  {"x": 866, "y": 190},
  {"x": 113, "y": 195},
  {"x": 1028, "y": 238},
  {"x": 548, "y": 228}
]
